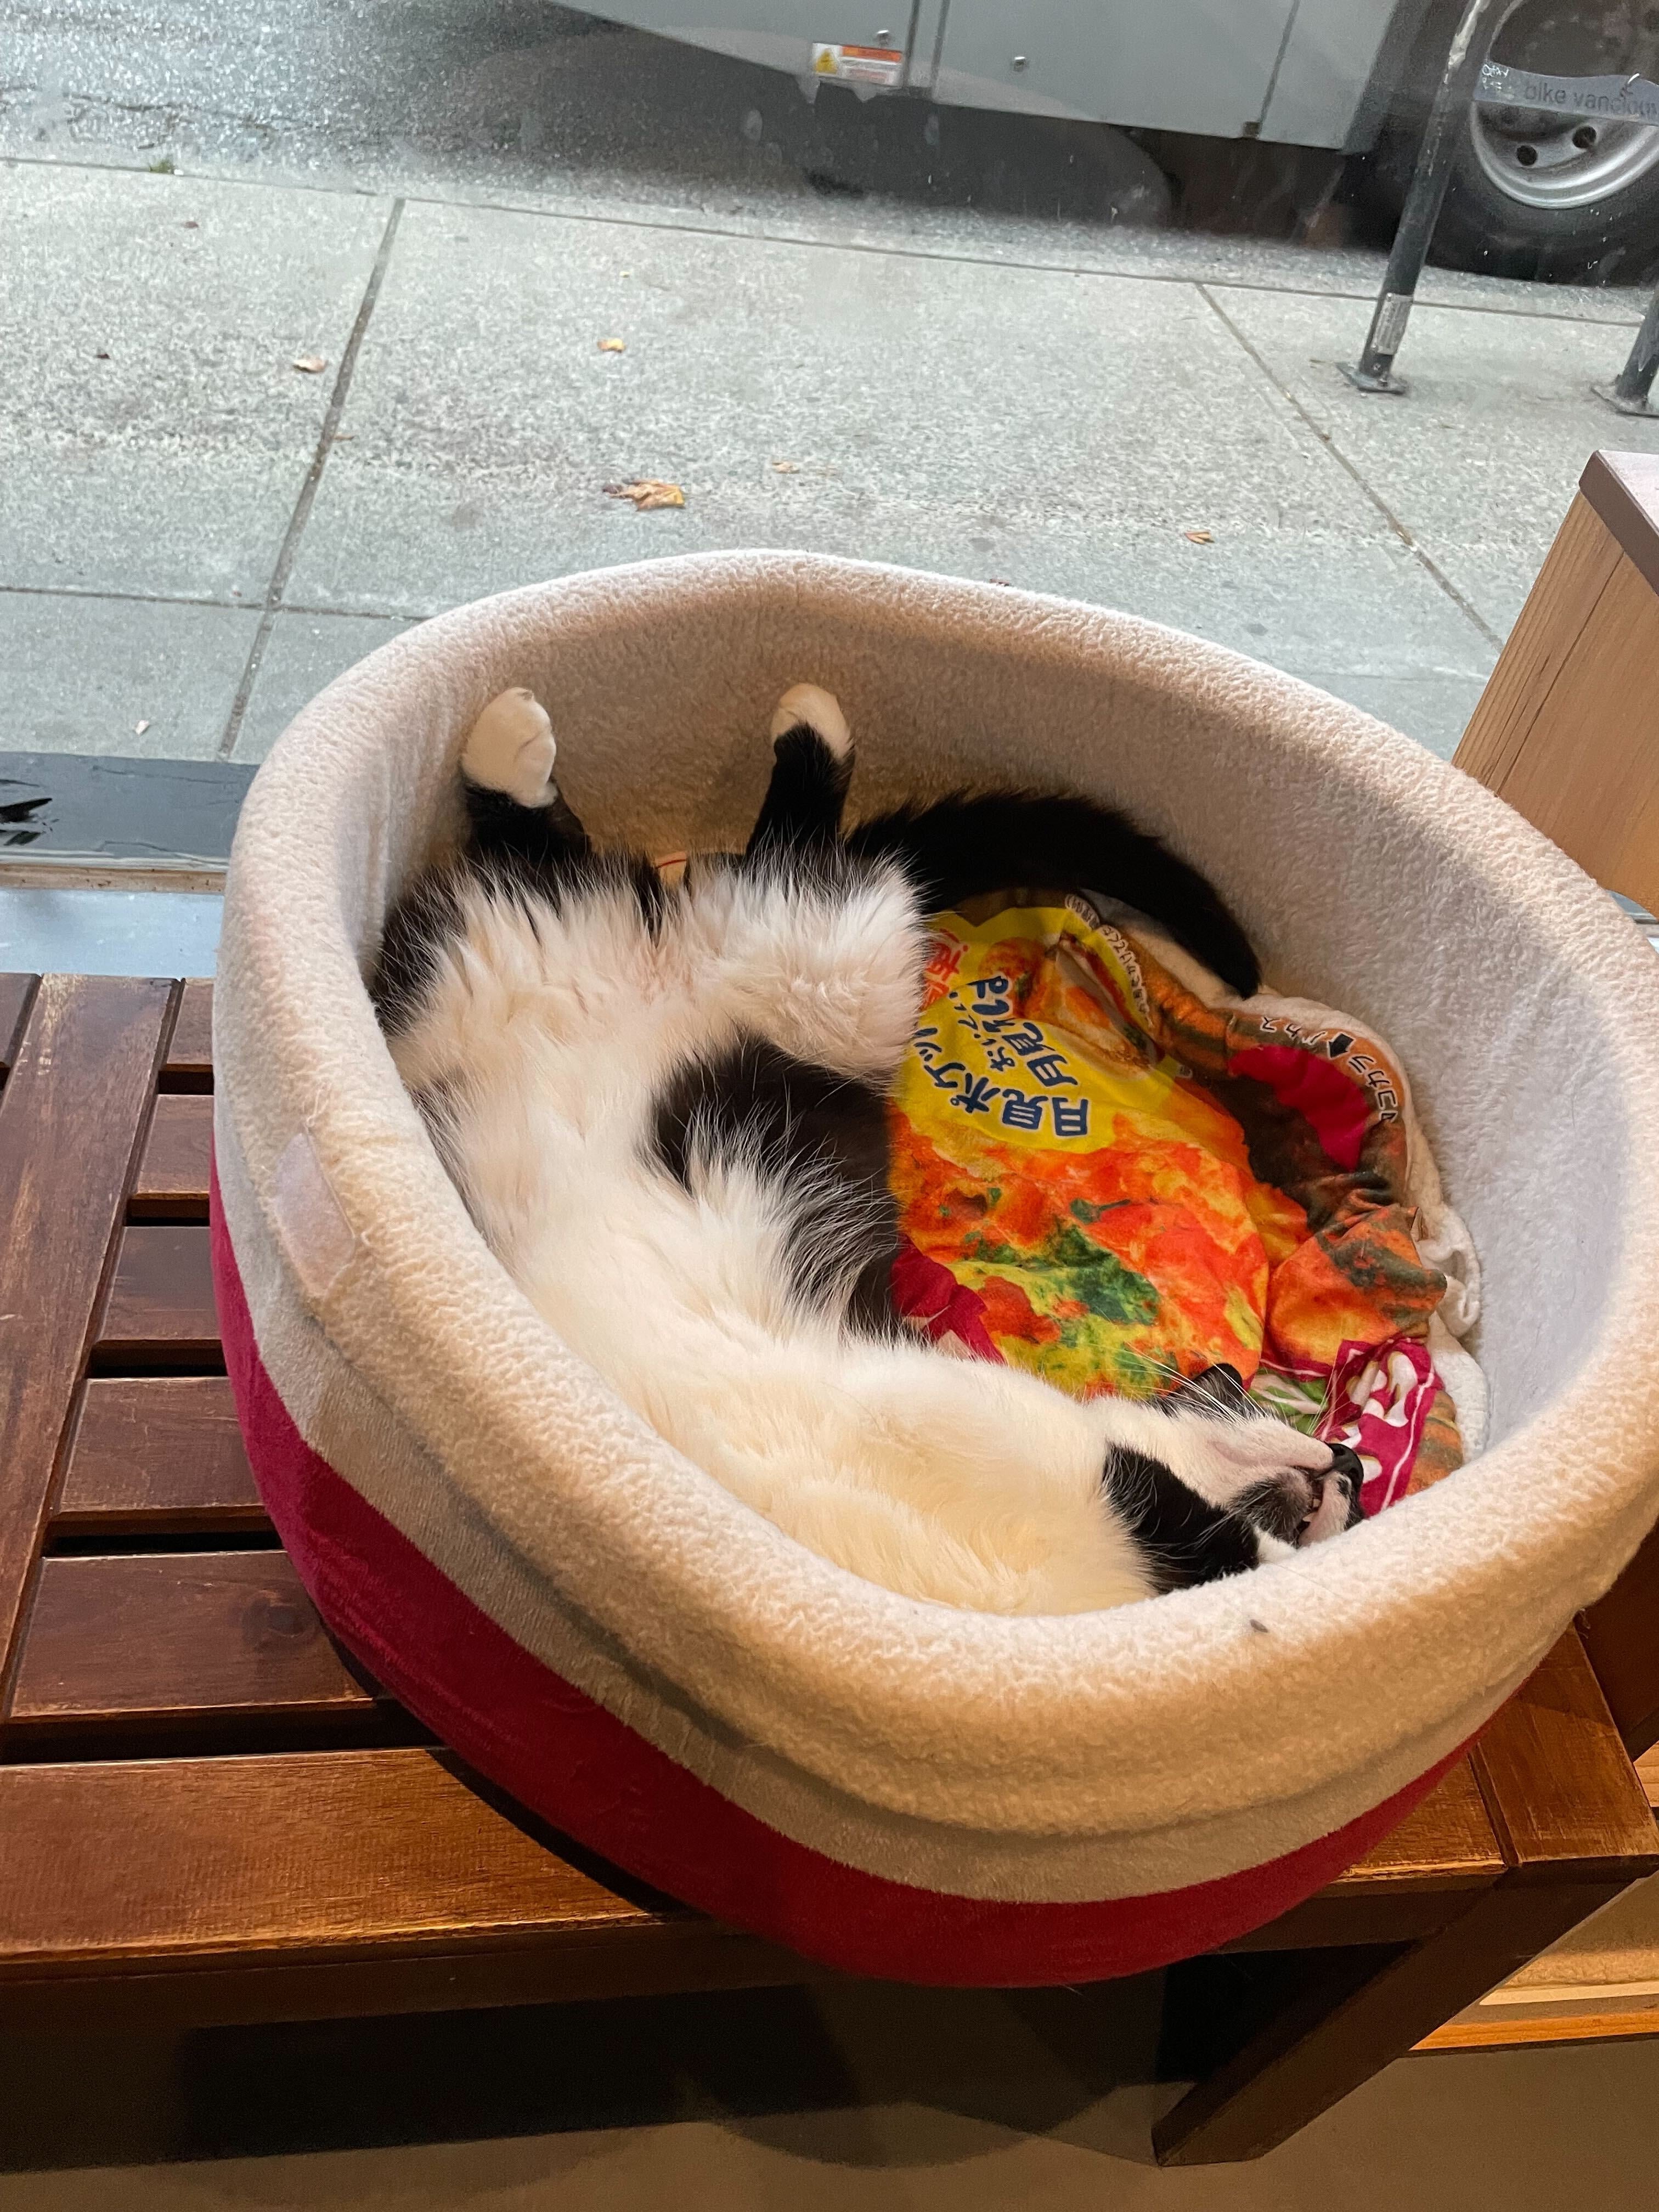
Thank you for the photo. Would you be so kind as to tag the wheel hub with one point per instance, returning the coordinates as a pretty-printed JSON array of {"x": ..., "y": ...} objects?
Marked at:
[{"x": 1543, "y": 158}]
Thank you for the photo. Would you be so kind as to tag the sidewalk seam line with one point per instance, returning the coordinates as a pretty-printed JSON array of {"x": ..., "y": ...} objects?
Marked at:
[
  {"x": 302, "y": 505},
  {"x": 195, "y": 600},
  {"x": 115, "y": 591},
  {"x": 1326, "y": 438},
  {"x": 762, "y": 236}
]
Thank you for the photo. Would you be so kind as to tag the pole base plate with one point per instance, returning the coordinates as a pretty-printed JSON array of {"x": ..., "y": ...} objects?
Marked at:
[
  {"x": 1365, "y": 379},
  {"x": 1611, "y": 394}
]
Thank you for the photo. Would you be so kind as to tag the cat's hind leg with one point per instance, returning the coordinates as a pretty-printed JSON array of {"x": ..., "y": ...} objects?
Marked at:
[
  {"x": 812, "y": 766},
  {"x": 520, "y": 833},
  {"x": 819, "y": 953},
  {"x": 515, "y": 811}
]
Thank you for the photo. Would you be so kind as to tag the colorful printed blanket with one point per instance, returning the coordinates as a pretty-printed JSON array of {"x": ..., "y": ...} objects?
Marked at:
[{"x": 1106, "y": 1179}]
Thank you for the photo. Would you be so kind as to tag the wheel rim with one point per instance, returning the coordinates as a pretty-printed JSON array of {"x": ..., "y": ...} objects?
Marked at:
[{"x": 1544, "y": 161}]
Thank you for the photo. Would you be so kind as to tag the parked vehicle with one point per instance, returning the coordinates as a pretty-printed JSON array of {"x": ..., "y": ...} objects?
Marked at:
[{"x": 1558, "y": 175}]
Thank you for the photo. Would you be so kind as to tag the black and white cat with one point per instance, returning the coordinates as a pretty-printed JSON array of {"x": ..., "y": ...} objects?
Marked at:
[{"x": 664, "y": 1106}]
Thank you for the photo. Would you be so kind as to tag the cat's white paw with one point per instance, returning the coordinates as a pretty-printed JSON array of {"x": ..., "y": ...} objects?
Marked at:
[
  {"x": 821, "y": 711},
  {"x": 510, "y": 748}
]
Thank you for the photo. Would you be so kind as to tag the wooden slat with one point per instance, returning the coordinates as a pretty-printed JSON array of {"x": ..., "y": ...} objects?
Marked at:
[
  {"x": 188, "y": 1637},
  {"x": 1499, "y": 2034},
  {"x": 544, "y": 1966},
  {"x": 1622, "y": 1635},
  {"x": 157, "y": 1454},
  {"x": 1446, "y": 1839},
  {"x": 172, "y": 1182},
  {"x": 1580, "y": 566},
  {"x": 1557, "y": 1782},
  {"x": 1410, "y": 1884},
  {"x": 164, "y": 1860},
  {"x": 160, "y": 1311},
  {"x": 313, "y": 1883},
  {"x": 190, "y": 1054},
  {"x": 69, "y": 1119},
  {"x": 15, "y": 991},
  {"x": 541, "y": 1966}
]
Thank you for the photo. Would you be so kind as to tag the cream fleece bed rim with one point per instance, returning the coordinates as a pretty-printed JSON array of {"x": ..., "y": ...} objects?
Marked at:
[{"x": 1034, "y": 1726}]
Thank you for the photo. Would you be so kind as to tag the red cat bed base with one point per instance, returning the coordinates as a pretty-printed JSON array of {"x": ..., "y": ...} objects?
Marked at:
[{"x": 565, "y": 1757}]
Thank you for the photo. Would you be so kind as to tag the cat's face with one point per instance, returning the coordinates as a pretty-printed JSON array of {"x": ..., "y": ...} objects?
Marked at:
[
  {"x": 1214, "y": 1486},
  {"x": 1300, "y": 1503}
]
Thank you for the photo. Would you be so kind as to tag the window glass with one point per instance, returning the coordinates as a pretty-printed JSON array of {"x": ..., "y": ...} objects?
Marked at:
[{"x": 325, "y": 315}]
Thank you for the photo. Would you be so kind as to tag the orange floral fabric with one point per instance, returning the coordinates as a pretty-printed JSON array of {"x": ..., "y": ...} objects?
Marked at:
[{"x": 1130, "y": 1185}]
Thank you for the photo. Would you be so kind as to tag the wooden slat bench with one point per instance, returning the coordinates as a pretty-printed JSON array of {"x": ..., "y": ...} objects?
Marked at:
[{"x": 208, "y": 1814}]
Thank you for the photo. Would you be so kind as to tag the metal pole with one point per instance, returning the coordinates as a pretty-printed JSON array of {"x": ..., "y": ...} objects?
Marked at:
[
  {"x": 1374, "y": 370},
  {"x": 1629, "y": 390}
]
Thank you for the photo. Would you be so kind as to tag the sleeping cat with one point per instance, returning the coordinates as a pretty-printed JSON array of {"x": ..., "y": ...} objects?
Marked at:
[{"x": 664, "y": 1106}]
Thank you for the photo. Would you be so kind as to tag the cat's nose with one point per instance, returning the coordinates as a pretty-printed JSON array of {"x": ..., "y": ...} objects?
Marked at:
[{"x": 1344, "y": 1462}]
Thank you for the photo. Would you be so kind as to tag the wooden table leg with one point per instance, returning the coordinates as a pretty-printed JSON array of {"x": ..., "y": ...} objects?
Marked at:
[{"x": 1573, "y": 1821}]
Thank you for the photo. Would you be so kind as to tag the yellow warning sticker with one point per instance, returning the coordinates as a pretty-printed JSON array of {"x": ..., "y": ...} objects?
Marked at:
[{"x": 883, "y": 66}]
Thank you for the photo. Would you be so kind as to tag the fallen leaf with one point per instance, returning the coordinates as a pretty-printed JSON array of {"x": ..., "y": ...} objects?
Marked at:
[
  {"x": 648, "y": 492},
  {"x": 1199, "y": 536},
  {"x": 787, "y": 468},
  {"x": 613, "y": 345},
  {"x": 139, "y": 729},
  {"x": 312, "y": 364}
]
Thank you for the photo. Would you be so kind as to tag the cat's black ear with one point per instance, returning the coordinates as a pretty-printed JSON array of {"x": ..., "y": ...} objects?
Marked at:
[{"x": 1218, "y": 1389}]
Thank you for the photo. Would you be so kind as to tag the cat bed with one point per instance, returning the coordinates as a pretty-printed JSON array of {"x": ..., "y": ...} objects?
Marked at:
[{"x": 898, "y": 1787}]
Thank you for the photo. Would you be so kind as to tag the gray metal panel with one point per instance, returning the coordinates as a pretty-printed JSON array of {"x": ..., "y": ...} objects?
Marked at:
[
  {"x": 1327, "y": 64},
  {"x": 781, "y": 33},
  {"x": 1200, "y": 65}
]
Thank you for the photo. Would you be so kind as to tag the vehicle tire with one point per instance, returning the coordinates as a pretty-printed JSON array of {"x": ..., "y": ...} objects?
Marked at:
[{"x": 1534, "y": 194}]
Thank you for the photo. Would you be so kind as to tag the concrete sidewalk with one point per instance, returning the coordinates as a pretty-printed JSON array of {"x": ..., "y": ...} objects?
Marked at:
[{"x": 195, "y": 534}]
